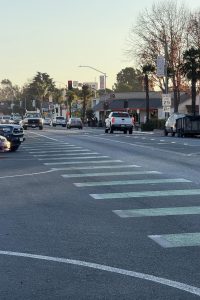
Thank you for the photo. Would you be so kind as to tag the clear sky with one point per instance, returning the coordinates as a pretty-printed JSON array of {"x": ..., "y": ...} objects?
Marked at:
[{"x": 56, "y": 36}]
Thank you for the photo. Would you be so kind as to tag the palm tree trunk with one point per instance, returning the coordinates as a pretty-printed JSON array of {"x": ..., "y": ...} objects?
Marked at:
[{"x": 147, "y": 96}]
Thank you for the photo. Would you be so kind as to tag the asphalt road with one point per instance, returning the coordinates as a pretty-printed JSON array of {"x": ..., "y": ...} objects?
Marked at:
[{"x": 89, "y": 215}]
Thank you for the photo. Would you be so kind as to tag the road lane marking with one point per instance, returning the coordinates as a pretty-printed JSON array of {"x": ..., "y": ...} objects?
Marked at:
[
  {"x": 83, "y": 162},
  {"x": 146, "y": 194},
  {"x": 160, "y": 280},
  {"x": 69, "y": 154},
  {"x": 53, "y": 151},
  {"x": 77, "y": 157},
  {"x": 177, "y": 240},
  {"x": 65, "y": 151},
  {"x": 110, "y": 174},
  {"x": 29, "y": 174},
  {"x": 132, "y": 182},
  {"x": 96, "y": 167},
  {"x": 158, "y": 212}
]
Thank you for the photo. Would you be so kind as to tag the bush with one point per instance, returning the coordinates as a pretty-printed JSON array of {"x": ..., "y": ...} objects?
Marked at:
[{"x": 153, "y": 124}]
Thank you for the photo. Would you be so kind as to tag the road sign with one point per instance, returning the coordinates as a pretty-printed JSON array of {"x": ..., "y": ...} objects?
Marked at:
[
  {"x": 160, "y": 66},
  {"x": 166, "y": 109},
  {"x": 166, "y": 100}
]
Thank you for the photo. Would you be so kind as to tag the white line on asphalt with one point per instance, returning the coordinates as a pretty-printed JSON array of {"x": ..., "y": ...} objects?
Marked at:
[
  {"x": 157, "y": 212},
  {"x": 85, "y": 151},
  {"x": 64, "y": 155},
  {"x": 96, "y": 167},
  {"x": 177, "y": 240},
  {"x": 53, "y": 151},
  {"x": 49, "y": 138},
  {"x": 110, "y": 174},
  {"x": 146, "y": 194},
  {"x": 29, "y": 174},
  {"x": 83, "y": 162},
  {"x": 132, "y": 182},
  {"x": 78, "y": 157},
  {"x": 160, "y": 280}
]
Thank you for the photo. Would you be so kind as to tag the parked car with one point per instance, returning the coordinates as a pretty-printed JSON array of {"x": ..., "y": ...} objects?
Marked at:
[
  {"x": 120, "y": 121},
  {"x": 48, "y": 121},
  {"x": 14, "y": 134},
  {"x": 170, "y": 124},
  {"x": 4, "y": 144},
  {"x": 59, "y": 121},
  {"x": 75, "y": 123}
]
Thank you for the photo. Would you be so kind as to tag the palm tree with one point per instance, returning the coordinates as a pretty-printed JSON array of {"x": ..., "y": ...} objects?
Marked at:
[
  {"x": 191, "y": 69},
  {"x": 146, "y": 69}
]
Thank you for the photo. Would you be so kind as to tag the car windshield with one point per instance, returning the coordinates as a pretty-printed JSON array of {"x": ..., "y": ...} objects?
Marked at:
[
  {"x": 33, "y": 115},
  {"x": 60, "y": 118}
]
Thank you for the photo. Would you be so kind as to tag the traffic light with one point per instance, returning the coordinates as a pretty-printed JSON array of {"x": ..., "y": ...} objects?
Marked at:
[{"x": 70, "y": 85}]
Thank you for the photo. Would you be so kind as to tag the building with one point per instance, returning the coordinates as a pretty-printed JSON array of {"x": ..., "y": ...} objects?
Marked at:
[{"x": 135, "y": 104}]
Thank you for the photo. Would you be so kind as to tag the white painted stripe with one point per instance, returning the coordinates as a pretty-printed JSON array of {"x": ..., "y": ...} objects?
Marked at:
[
  {"x": 64, "y": 155},
  {"x": 53, "y": 151},
  {"x": 96, "y": 167},
  {"x": 83, "y": 162},
  {"x": 28, "y": 174},
  {"x": 111, "y": 174},
  {"x": 63, "y": 152},
  {"x": 132, "y": 182},
  {"x": 177, "y": 240},
  {"x": 146, "y": 194},
  {"x": 156, "y": 212},
  {"x": 160, "y": 280},
  {"x": 78, "y": 157}
]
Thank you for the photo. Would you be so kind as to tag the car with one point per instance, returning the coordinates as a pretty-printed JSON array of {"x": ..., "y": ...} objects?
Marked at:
[
  {"x": 32, "y": 119},
  {"x": 48, "y": 121},
  {"x": 75, "y": 123},
  {"x": 4, "y": 144},
  {"x": 170, "y": 124},
  {"x": 6, "y": 119},
  {"x": 14, "y": 134},
  {"x": 120, "y": 121},
  {"x": 59, "y": 121}
]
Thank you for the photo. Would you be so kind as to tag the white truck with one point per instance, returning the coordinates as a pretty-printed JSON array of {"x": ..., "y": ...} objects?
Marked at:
[
  {"x": 120, "y": 121},
  {"x": 32, "y": 119}
]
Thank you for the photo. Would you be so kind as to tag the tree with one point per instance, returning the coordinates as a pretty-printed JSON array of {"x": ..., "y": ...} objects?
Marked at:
[
  {"x": 41, "y": 87},
  {"x": 161, "y": 30},
  {"x": 129, "y": 80},
  {"x": 191, "y": 68},
  {"x": 146, "y": 69},
  {"x": 85, "y": 93}
]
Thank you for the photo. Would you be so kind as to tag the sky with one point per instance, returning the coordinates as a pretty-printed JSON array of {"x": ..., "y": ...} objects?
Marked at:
[{"x": 57, "y": 36}]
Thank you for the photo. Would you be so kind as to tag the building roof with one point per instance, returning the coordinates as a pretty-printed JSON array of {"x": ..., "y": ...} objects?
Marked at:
[{"x": 136, "y": 100}]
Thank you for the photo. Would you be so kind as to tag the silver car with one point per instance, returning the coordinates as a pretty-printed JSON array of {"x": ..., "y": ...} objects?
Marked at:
[{"x": 170, "y": 125}]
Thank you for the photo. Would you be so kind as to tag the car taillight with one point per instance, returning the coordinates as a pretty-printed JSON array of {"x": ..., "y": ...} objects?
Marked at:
[{"x": 112, "y": 120}]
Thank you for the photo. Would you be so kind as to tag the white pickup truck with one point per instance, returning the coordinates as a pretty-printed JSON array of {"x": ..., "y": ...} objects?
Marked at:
[{"x": 120, "y": 121}]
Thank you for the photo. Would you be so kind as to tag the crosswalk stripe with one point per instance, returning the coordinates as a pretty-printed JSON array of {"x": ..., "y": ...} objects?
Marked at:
[
  {"x": 132, "y": 182},
  {"x": 63, "y": 152},
  {"x": 177, "y": 240},
  {"x": 83, "y": 162},
  {"x": 64, "y": 155},
  {"x": 156, "y": 212},
  {"x": 78, "y": 157},
  {"x": 110, "y": 174},
  {"x": 53, "y": 151},
  {"x": 146, "y": 194},
  {"x": 95, "y": 167}
]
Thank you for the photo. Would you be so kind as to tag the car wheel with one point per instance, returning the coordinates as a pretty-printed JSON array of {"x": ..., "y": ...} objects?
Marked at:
[
  {"x": 165, "y": 132},
  {"x": 40, "y": 127},
  {"x": 130, "y": 131},
  {"x": 25, "y": 128},
  {"x": 173, "y": 133},
  {"x": 14, "y": 148},
  {"x": 106, "y": 130},
  {"x": 125, "y": 131}
]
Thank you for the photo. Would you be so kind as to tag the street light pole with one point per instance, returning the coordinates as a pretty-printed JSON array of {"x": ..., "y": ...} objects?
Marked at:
[
  {"x": 105, "y": 76},
  {"x": 97, "y": 71}
]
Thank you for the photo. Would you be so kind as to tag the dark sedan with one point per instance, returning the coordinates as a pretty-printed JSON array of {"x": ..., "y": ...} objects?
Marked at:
[{"x": 14, "y": 134}]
